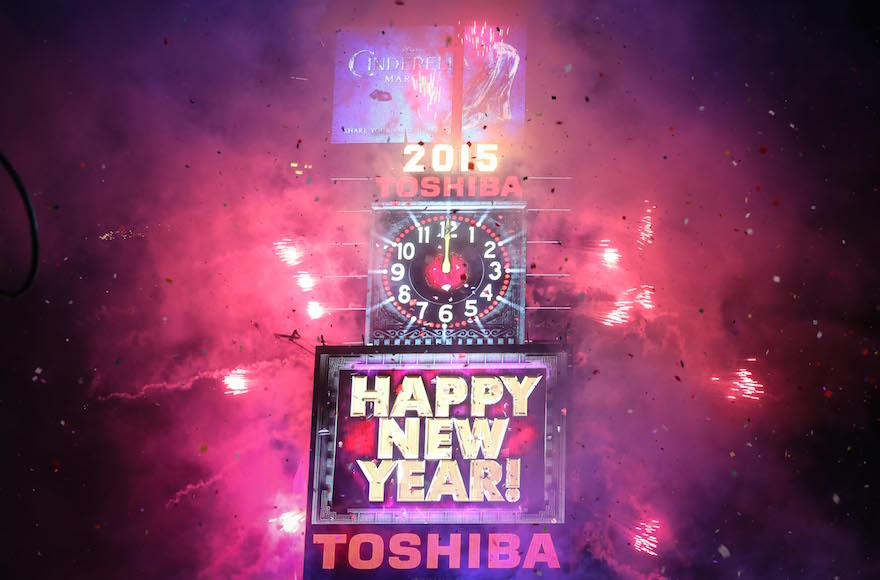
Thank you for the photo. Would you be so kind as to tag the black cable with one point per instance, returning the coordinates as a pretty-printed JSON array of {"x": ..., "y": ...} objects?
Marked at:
[{"x": 35, "y": 236}]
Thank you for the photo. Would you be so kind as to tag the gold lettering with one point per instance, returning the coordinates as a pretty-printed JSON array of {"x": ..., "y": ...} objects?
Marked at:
[{"x": 377, "y": 475}]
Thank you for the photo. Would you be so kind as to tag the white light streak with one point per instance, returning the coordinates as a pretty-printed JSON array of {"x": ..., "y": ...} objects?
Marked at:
[
  {"x": 290, "y": 522},
  {"x": 305, "y": 281},
  {"x": 315, "y": 310},
  {"x": 288, "y": 253},
  {"x": 645, "y": 539},
  {"x": 236, "y": 382}
]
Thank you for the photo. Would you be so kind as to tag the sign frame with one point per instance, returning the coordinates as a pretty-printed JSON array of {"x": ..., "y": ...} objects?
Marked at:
[{"x": 330, "y": 359}]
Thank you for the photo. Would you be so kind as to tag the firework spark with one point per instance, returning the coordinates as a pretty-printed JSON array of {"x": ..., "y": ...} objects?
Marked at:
[
  {"x": 610, "y": 256},
  {"x": 620, "y": 313},
  {"x": 742, "y": 384},
  {"x": 428, "y": 85},
  {"x": 288, "y": 253},
  {"x": 646, "y": 228},
  {"x": 290, "y": 522},
  {"x": 315, "y": 310},
  {"x": 305, "y": 281},
  {"x": 645, "y": 297},
  {"x": 480, "y": 38},
  {"x": 645, "y": 538},
  {"x": 236, "y": 382}
]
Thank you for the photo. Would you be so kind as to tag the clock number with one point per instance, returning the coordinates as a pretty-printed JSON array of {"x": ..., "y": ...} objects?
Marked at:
[
  {"x": 417, "y": 151},
  {"x": 487, "y": 292},
  {"x": 446, "y": 313},
  {"x": 424, "y": 234},
  {"x": 453, "y": 225},
  {"x": 422, "y": 307},
  {"x": 472, "y": 228},
  {"x": 397, "y": 271},
  {"x": 496, "y": 270},
  {"x": 406, "y": 251},
  {"x": 403, "y": 295},
  {"x": 490, "y": 249},
  {"x": 470, "y": 308},
  {"x": 448, "y": 157}
]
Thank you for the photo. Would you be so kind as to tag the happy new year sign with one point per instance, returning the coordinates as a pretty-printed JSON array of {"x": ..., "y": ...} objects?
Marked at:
[{"x": 456, "y": 450}]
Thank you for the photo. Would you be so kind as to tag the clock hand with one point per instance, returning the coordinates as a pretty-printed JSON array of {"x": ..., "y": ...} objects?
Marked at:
[{"x": 446, "y": 267}]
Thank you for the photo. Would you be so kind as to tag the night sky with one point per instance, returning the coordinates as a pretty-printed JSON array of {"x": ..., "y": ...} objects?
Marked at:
[{"x": 720, "y": 247}]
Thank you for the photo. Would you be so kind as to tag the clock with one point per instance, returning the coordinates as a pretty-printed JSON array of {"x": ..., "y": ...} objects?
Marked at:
[{"x": 443, "y": 273}]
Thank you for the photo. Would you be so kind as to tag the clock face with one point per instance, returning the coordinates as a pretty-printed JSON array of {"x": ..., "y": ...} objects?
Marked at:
[
  {"x": 444, "y": 273},
  {"x": 447, "y": 271}
]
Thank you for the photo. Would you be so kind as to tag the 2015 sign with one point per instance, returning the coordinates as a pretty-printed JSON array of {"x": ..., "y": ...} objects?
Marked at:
[{"x": 443, "y": 158}]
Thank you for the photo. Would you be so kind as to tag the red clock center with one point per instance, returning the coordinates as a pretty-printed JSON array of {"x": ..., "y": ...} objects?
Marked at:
[{"x": 456, "y": 277}]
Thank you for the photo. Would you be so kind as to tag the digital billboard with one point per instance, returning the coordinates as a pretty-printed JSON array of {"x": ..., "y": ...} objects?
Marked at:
[
  {"x": 429, "y": 84},
  {"x": 494, "y": 82},
  {"x": 393, "y": 85},
  {"x": 436, "y": 459}
]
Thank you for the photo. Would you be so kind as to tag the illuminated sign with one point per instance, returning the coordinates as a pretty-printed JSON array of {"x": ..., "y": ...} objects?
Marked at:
[
  {"x": 447, "y": 275},
  {"x": 456, "y": 186},
  {"x": 464, "y": 161},
  {"x": 407, "y": 84},
  {"x": 443, "y": 157},
  {"x": 392, "y": 85},
  {"x": 436, "y": 458},
  {"x": 493, "y": 95}
]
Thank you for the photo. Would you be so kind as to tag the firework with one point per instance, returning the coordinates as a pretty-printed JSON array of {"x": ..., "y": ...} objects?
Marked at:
[
  {"x": 479, "y": 38},
  {"x": 290, "y": 522},
  {"x": 742, "y": 384},
  {"x": 644, "y": 298},
  {"x": 305, "y": 281},
  {"x": 288, "y": 253},
  {"x": 610, "y": 256},
  {"x": 236, "y": 382},
  {"x": 645, "y": 538},
  {"x": 315, "y": 310},
  {"x": 620, "y": 314},
  {"x": 646, "y": 228},
  {"x": 428, "y": 85}
]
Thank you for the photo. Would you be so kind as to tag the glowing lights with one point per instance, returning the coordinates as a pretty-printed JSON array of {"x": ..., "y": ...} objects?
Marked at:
[
  {"x": 305, "y": 281},
  {"x": 288, "y": 253},
  {"x": 481, "y": 39},
  {"x": 610, "y": 256},
  {"x": 620, "y": 314},
  {"x": 646, "y": 228},
  {"x": 315, "y": 310},
  {"x": 743, "y": 384},
  {"x": 645, "y": 297},
  {"x": 430, "y": 86},
  {"x": 645, "y": 538},
  {"x": 290, "y": 522},
  {"x": 236, "y": 382}
]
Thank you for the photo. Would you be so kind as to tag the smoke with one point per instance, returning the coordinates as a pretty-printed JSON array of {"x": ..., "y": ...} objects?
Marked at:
[{"x": 187, "y": 149}]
